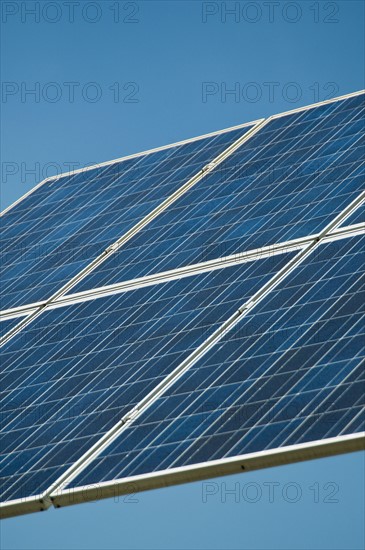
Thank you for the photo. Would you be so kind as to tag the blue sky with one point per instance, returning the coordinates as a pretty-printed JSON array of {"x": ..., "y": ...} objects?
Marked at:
[{"x": 93, "y": 81}]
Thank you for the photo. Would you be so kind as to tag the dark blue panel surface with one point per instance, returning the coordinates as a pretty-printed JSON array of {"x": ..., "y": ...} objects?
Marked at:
[
  {"x": 356, "y": 217},
  {"x": 287, "y": 181},
  {"x": 290, "y": 372},
  {"x": 6, "y": 325},
  {"x": 61, "y": 227},
  {"x": 75, "y": 371}
]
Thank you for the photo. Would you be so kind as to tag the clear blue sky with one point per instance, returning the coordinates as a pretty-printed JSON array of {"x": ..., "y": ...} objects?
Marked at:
[{"x": 113, "y": 78}]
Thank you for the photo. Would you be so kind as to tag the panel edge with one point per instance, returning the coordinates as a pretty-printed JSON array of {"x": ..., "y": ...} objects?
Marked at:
[{"x": 206, "y": 470}]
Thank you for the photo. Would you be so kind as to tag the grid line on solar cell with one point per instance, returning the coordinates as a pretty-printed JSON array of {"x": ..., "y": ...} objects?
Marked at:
[
  {"x": 76, "y": 221},
  {"x": 252, "y": 392}
]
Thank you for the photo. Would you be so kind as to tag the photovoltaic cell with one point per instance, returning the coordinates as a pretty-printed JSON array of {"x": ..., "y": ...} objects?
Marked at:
[
  {"x": 356, "y": 217},
  {"x": 289, "y": 180},
  {"x": 8, "y": 324},
  {"x": 57, "y": 230},
  {"x": 75, "y": 371},
  {"x": 291, "y": 372}
]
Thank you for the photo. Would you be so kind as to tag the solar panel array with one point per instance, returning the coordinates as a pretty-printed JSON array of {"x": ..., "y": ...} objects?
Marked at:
[
  {"x": 288, "y": 181},
  {"x": 284, "y": 375},
  {"x": 198, "y": 303},
  {"x": 55, "y": 232}
]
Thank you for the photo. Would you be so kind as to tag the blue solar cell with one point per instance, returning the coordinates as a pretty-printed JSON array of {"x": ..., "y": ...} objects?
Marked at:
[
  {"x": 62, "y": 226},
  {"x": 356, "y": 217},
  {"x": 290, "y": 372},
  {"x": 72, "y": 373},
  {"x": 287, "y": 181},
  {"x": 7, "y": 324}
]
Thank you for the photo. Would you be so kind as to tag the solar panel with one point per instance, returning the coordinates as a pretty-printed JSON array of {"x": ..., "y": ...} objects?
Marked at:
[
  {"x": 290, "y": 372},
  {"x": 222, "y": 330},
  {"x": 288, "y": 181},
  {"x": 74, "y": 372},
  {"x": 62, "y": 226}
]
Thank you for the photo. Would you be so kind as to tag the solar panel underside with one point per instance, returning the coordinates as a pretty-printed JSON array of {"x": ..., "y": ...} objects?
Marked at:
[
  {"x": 287, "y": 181},
  {"x": 290, "y": 372},
  {"x": 62, "y": 226},
  {"x": 75, "y": 371}
]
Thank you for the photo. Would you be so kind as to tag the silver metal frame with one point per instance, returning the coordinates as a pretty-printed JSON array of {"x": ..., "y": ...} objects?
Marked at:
[
  {"x": 313, "y": 105},
  {"x": 21, "y": 506},
  {"x": 186, "y": 474},
  {"x": 206, "y": 470}
]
